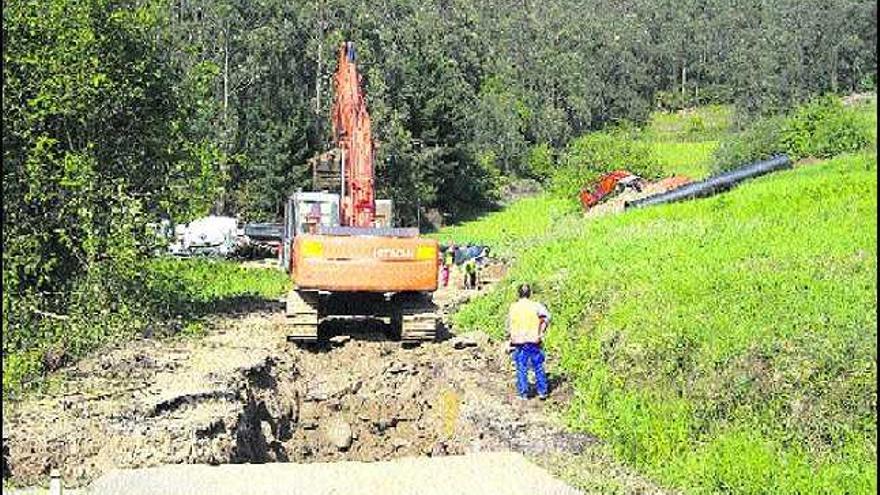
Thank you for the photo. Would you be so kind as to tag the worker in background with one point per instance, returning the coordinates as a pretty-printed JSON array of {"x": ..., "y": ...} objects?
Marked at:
[
  {"x": 527, "y": 321},
  {"x": 470, "y": 273},
  {"x": 448, "y": 259},
  {"x": 482, "y": 260},
  {"x": 458, "y": 254}
]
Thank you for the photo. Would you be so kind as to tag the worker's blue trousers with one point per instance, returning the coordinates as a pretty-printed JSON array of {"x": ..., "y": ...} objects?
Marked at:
[{"x": 526, "y": 355}]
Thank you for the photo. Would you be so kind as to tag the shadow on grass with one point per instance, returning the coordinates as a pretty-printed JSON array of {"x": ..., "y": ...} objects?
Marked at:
[{"x": 235, "y": 306}]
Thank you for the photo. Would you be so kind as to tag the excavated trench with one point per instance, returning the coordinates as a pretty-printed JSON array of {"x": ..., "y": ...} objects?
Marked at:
[{"x": 243, "y": 394}]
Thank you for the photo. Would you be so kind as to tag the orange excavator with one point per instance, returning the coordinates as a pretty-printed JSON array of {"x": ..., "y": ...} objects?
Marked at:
[
  {"x": 608, "y": 184},
  {"x": 345, "y": 257}
]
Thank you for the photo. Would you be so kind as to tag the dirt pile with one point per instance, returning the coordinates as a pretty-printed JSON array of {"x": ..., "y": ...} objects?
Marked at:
[{"x": 616, "y": 203}]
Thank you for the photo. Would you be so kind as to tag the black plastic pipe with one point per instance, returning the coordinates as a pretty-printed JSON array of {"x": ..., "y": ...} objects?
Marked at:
[{"x": 714, "y": 185}]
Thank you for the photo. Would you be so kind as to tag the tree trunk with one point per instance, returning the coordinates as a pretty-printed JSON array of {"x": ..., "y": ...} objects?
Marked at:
[
  {"x": 683, "y": 82},
  {"x": 834, "y": 51},
  {"x": 220, "y": 205}
]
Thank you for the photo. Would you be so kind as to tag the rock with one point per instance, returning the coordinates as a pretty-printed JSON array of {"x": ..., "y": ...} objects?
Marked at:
[
  {"x": 480, "y": 337},
  {"x": 439, "y": 449},
  {"x": 316, "y": 395},
  {"x": 340, "y": 339},
  {"x": 308, "y": 417},
  {"x": 266, "y": 430},
  {"x": 397, "y": 367},
  {"x": 338, "y": 433},
  {"x": 398, "y": 442},
  {"x": 463, "y": 342}
]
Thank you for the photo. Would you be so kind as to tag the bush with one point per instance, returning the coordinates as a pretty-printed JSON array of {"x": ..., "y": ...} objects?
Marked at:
[
  {"x": 594, "y": 154},
  {"x": 762, "y": 140},
  {"x": 540, "y": 162},
  {"x": 822, "y": 128}
]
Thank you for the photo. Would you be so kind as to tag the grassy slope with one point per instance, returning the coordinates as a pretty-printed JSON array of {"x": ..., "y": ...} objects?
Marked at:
[
  {"x": 733, "y": 332},
  {"x": 683, "y": 142},
  {"x": 527, "y": 222},
  {"x": 691, "y": 159},
  {"x": 727, "y": 344}
]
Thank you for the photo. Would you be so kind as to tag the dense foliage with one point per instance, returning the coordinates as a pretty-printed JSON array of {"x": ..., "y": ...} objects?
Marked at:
[
  {"x": 96, "y": 144},
  {"x": 461, "y": 92},
  {"x": 822, "y": 128}
]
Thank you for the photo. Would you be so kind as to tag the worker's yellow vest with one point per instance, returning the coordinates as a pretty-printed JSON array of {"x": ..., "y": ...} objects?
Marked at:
[{"x": 524, "y": 322}]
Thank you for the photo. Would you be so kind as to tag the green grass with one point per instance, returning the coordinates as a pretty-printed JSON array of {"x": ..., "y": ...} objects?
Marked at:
[
  {"x": 708, "y": 123},
  {"x": 691, "y": 159},
  {"x": 508, "y": 231},
  {"x": 683, "y": 142},
  {"x": 726, "y": 344},
  {"x": 175, "y": 297},
  {"x": 206, "y": 282}
]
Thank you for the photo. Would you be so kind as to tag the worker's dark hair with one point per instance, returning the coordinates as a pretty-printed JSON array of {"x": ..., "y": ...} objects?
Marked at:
[{"x": 525, "y": 290}]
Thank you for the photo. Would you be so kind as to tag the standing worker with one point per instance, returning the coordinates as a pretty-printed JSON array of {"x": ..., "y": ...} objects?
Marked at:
[
  {"x": 470, "y": 273},
  {"x": 482, "y": 262},
  {"x": 527, "y": 321},
  {"x": 448, "y": 258}
]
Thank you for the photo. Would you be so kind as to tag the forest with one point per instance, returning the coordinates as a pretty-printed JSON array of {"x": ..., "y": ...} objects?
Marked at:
[{"x": 118, "y": 114}]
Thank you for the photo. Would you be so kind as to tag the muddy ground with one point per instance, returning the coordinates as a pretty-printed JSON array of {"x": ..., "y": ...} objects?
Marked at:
[{"x": 243, "y": 393}]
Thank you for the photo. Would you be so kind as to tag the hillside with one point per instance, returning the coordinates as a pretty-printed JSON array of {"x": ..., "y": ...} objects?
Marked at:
[{"x": 726, "y": 344}]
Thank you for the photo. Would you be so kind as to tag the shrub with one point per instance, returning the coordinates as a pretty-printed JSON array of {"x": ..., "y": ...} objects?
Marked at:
[
  {"x": 591, "y": 155},
  {"x": 540, "y": 162},
  {"x": 822, "y": 128},
  {"x": 762, "y": 140}
]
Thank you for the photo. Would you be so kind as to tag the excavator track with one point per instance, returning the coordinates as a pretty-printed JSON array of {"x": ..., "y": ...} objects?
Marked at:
[
  {"x": 302, "y": 316},
  {"x": 416, "y": 318}
]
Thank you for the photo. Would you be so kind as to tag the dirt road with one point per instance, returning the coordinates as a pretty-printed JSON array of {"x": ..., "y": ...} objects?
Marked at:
[
  {"x": 474, "y": 473},
  {"x": 243, "y": 394}
]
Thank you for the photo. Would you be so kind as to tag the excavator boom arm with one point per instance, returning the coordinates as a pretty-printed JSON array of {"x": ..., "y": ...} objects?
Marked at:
[{"x": 353, "y": 136}]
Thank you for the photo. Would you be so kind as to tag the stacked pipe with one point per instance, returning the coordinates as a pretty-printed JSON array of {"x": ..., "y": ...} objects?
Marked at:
[{"x": 716, "y": 184}]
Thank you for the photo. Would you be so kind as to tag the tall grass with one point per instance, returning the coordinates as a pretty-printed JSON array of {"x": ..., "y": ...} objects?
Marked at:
[{"x": 727, "y": 344}]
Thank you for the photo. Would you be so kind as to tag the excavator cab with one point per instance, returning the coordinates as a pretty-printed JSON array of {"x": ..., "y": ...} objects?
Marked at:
[{"x": 305, "y": 213}]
